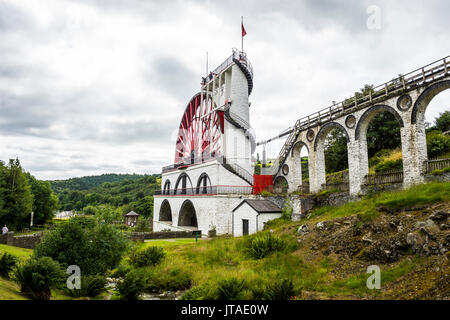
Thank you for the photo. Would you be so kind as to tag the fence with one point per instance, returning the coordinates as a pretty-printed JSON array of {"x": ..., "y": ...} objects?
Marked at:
[
  {"x": 385, "y": 177},
  {"x": 438, "y": 164},
  {"x": 207, "y": 190}
]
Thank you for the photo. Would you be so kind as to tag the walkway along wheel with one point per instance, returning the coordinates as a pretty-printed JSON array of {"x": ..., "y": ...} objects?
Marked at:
[{"x": 200, "y": 132}]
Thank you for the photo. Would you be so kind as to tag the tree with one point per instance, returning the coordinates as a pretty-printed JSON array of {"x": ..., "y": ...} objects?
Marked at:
[
  {"x": 383, "y": 133},
  {"x": 336, "y": 158},
  {"x": 94, "y": 247},
  {"x": 443, "y": 121},
  {"x": 145, "y": 206},
  {"x": 17, "y": 201},
  {"x": 45, "y": 201}
]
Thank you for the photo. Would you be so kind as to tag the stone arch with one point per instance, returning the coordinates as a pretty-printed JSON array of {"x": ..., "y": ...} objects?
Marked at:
[
  {"x": 325, "y": 129},
  {"x": 203, "y": 184},
  {"x": 280, "y": 185},
  {"x": 298, "y": 147},
  {"x": 183, "y": 179},
  {"x": 165, "y": 212},
  {"x": 370, "y": 113},
  {"x": 167, "y": 185},
  {"x": 187, "y": 216},
  {"x": 422, "y": 102}
]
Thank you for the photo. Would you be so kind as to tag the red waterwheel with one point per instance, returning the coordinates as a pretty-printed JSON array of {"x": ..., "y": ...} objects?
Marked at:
[{"x": 200, "y": 132}]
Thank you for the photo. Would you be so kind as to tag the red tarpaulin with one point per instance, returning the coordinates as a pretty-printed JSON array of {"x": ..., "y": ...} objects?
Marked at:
[{"x": 262, "y": 182}]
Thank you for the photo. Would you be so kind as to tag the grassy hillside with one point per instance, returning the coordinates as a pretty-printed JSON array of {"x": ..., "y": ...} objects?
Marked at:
[
  {"x": 328, "y": 260},
  {"x": 77, "y": 193},
  {"x": 89, "y": 182}
]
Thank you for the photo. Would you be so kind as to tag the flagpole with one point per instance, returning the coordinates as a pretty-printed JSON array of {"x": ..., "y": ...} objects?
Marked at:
[{"x": 242, "y": 36}]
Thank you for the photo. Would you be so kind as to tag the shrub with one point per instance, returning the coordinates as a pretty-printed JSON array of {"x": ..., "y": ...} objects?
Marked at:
[
  {"x": 389, "y": 165},
  {"x": 132, "y": 285},
  {"x": 287, "y": 210},
  {"x": 120, "y": 272},
  {"x": 142, "y": 225},
  {"x": 147, "y": 257},
  {"x": 230, "y": 289},
  {"x": 94, "y": 249},
  {"x": 266, "y": 193},
  {"x": 280, "y": 290},
  {"x": 437, "y": 172},
  {"x": 167, "y": 280},
  {"x": 262, "y": 245},
  {"x": 91, "y": 286},
  {"x": 7, "y": 264},
  {"x": 204, "y": 292},
  {"x": 437, "y": 144},
  {"x": 37, "y": 276}
]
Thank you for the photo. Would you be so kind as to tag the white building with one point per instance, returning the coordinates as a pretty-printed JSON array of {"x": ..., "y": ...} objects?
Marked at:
[
  {"x": 213, "y": 170},
  {"x": 251, "y": 215}
]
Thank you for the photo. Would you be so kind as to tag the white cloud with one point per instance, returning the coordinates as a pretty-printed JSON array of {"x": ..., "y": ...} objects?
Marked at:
[{"x": 89, "y": 87}]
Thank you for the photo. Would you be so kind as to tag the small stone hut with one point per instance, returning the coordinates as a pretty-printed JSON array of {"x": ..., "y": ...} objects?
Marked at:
[{"x": 131, "y": 218}]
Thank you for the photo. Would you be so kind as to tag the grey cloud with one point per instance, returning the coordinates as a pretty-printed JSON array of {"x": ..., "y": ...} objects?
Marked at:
[
  {"x": 13, "y": 18},
  {"x": 173, "y": 77}
]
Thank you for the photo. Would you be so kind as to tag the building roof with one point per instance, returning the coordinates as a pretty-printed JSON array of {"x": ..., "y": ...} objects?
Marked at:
[
  {"x": 260, "y": 206},
  {"x": 131, "y": 213}
]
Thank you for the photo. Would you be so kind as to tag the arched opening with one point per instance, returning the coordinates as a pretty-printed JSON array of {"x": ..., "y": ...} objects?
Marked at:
[
  {"x": 187, "y": 216},
  {"x": 280, "y": 185},
  {"x": 165, "y": 212},
  {"x": 203, "y": 184},
  {"x": 332, "y": 170},
  {"x": 183, "y": 184},
  {"x": 166, "y": 189},
  {"x": 378, "y": 132},
  {"x": 300, "y": 153},
  {"x": 431, "y": 117},
  {"x": 436, "y": 119}
]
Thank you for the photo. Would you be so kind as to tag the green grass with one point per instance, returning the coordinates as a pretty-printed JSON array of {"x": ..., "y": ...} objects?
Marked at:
[
  {"x": 367, "y": 208},
  {"x": 20, "y": 253},
  {"x": 9, "y": 290},
  {"x": 169, "y": 243}
]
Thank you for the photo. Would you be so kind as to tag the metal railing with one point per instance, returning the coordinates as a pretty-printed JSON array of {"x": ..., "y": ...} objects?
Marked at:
[
  {"x": 236, "y": 54},
  {"x": 430, "y": 72},
  {"x": 238, "y": 170},
  {"x": 207, "y": 190},
  {"x": 188, "y": 161},
  {"x": 437, "y": 164},
  {"x": 394, "y": 176}
]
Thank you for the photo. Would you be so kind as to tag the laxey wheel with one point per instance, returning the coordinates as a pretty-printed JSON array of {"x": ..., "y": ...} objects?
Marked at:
[{"x": 200, "y": 132}]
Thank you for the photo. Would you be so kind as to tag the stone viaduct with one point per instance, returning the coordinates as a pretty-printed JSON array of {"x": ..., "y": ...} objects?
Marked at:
[{"x": 406, "y": 97}]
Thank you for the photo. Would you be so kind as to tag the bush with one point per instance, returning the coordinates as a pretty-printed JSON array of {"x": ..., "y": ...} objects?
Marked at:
[
  {"x": 167, "y": 280},
  {"x": 204, "y": 292},
  {"x": 437, "y": 172},
  {"x": 94, "y": 248},
  {"x": 91, "y": 286},
  {"x": 142, "y": 225},
  {"x": 120, "y": 272},
  {"x": 389, "y": 165},
  {"x": 132, "y": 285},
  {"x": 280, "y": 290},
  {"x": 262, "y": 245},
  {"x": 266, "y": 193},
  {"x": 230, "y": 289},
  {"x": 437, "y": 144},
  {"x": 37, "y": 276},
  {"x": 147, "y": 257},
  {"x": 7, "y": 264}
]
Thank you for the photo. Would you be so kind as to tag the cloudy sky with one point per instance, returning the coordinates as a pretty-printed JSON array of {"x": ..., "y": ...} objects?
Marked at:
[{"x": 91, "y": 87}]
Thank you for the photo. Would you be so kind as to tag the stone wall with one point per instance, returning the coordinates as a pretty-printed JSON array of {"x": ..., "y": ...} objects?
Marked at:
[
  {"x": 141, "y": 236},
  {"x": 25, "y": 241}
]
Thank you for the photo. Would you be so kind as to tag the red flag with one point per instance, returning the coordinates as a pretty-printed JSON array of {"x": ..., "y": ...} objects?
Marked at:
[{"x": 243, "y": 29}]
